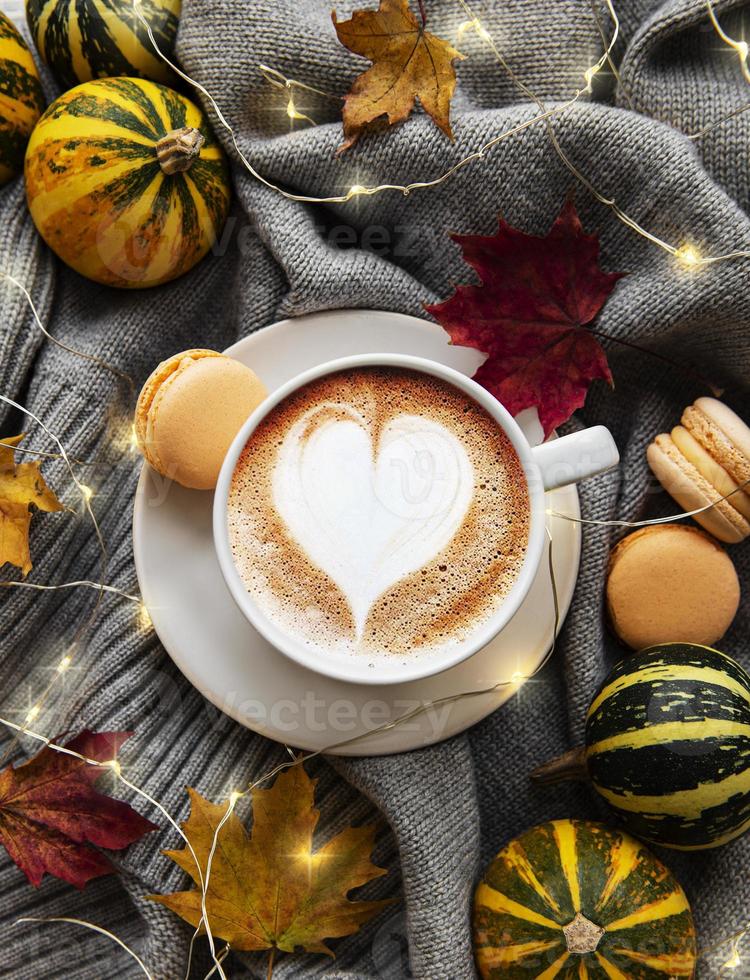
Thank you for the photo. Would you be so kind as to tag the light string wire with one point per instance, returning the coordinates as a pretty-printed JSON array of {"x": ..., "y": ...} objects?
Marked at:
[
  {"x": 86, "y": 496},
  {"x": 357, "y": 189},
  {"x": 204, "y": 878},
  {"x": 114, "y": 766},
  {"x": 740, "y": 47},
  {"x": 288, "y": 85},
  {"x": 72, "y": 585},
  {"x": 686, "y": 253},
  {"x": 122, "y": 375},
  {"x": 94, "y": 928},
  {"x": 235, "y": 796},
  {"x": 101, "y": 587}
]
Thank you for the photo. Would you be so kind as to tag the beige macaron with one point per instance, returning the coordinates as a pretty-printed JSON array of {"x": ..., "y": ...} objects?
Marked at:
[
  {"x": 671, "y": 583},
  {"x": 703, "y": 460},
  {"x": 189, "y": 411}
]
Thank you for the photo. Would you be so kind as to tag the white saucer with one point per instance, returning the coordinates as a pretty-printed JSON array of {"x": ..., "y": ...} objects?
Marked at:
[{"x": 220, "y": 653}]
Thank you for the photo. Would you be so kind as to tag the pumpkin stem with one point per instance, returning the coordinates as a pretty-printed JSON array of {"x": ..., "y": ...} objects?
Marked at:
[
  {"x": 582, "y": 936},
  {"x": 178, "y": 150},
  {"x": 570, "y": 765}
]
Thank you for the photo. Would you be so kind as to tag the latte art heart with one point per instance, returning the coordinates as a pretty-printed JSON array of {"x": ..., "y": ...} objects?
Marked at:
[
  {"x": 367, "y": 515},
  {"x": 377, "y": 512}
]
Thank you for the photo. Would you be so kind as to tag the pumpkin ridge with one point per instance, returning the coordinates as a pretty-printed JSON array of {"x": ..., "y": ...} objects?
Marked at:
[
  {"x": 87, "y": 39},
  {"x": 131, "y": 90},
  {"x": 668, "y": 742},
  {"x": 92, "y": 106},
  {"x": 21, "y": 98},
  {"x": 92, "y": 165},
  {"x": 175, "y": 109},
  {"x": 210, "y": 189},
  {"x": 101, "y": 47},
  {"x": 635, "y": 920}
]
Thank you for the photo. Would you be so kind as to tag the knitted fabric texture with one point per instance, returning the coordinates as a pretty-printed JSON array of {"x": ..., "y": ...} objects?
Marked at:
[{"x": 448, "y": 808}]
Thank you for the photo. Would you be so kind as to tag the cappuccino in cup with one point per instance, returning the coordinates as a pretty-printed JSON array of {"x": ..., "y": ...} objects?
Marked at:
[{"x": 378, "y": 511}]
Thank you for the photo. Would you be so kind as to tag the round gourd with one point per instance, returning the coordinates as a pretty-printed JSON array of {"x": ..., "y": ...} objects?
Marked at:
[
  {"x": 89, "y": 39},
  {"x": 572, "y": 899},
  {"x": 126, "y": 182},
  {"x": 668, "y": 745},
  {"x": 21, "y": 99}
]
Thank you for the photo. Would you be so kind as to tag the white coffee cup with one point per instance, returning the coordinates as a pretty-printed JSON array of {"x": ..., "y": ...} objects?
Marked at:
[{"x": 555, "y": 463}]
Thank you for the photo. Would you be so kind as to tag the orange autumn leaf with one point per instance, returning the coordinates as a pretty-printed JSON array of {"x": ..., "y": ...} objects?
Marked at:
[
  {"x": 21, "y": 487},
  {"x": 407, "y": 63},
  {"x": 269, "y": 889}
]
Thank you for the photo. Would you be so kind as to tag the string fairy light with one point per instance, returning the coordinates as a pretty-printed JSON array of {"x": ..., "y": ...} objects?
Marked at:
[
  {"x": 517, "y": 679},
  {"x": 288, "y": 85},
  {"x": 122, "y": 375},
  {"x": 686, "y": 253},
  {"x": 358, "y": 189},
  {"x": 740, "y": 47},
  {"x": 100, "y": 587},
  {"x": 79, "y": 583},
  {"x": 93, "y": 928},
  {"x": 651, "y": 521},
  {"x": 114, "y": 766}
]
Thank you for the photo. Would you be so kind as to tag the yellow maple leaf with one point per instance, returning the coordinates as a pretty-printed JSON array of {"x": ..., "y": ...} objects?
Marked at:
[
  {"x": 407, "y": 63},
  {"x": 21, "y": 486},
  {"x": 269, "y": 889}
]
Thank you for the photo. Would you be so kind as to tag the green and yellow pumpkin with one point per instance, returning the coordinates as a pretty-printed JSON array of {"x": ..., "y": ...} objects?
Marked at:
[
  {"x": 574, "y": 900},
  {"x": 668, "y": 745},
  {"x": 126, "y": 182},
  {"x": 85, "y": 39},
  {"x": 21, "y": 99}
]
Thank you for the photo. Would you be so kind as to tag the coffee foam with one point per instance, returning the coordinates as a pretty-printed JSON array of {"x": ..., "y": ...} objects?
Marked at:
[{"x": 378, "y": 511}]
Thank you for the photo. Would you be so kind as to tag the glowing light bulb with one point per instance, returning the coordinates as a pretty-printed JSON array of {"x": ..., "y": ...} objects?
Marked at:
[
  {"x": 234, "y": 796},
  {"x": 32, "y": 714},
  {"x": 144, "y": 617},
  {"x": 87, "y": 493},
  {"x": 688, "y": 255},
  {"x": 733, "y": 962},
  {"x": 742, "y": 50},
  {"x": 589, "y": 75},
  {"x": 291, "y": 110},
  {"x": 463, "y": 28},
  {"x": 64, "y": 664},
  {"x": 114, "y": 765},
  {"x": 356, "y": 189},
  {"x": 133, "y": 441}
]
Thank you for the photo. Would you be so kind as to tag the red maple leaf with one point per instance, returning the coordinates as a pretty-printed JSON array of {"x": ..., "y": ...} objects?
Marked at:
[
  {"x": 529, "y": 315},
  {"x": 50, "y": 812}
]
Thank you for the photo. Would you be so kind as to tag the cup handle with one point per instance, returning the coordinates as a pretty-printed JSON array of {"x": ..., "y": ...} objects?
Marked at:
[{"x": 576, "y": 457}]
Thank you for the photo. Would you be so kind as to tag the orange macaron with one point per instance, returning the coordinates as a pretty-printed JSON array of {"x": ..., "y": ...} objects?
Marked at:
[
  {"x": 671, "y": 583},
  {"x": 189, "y": 411},
  {"x": 705, "y": 459}
]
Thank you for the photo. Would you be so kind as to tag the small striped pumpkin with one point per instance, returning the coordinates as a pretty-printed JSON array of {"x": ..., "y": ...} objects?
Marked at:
[
  {"x": 85, "y": 39},
  {"x": 126, "y": 182},
  {"x": 668, "y": 745},
  {"x": 573, "y": 900},
  {"x": 21, "y": 99}
]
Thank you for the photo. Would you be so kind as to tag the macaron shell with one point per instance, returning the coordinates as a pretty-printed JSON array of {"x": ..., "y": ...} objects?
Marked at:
[
  {"x": 671, "y": 582},
  {"x": 710, "y": 470},
  {"x": 691, "y": 491},
  {"x": 196, "y": 413},
  {"x": 737, "y": 431},
  {"x": 714, "y": 440},
  {"x": 164, "y": 370}
]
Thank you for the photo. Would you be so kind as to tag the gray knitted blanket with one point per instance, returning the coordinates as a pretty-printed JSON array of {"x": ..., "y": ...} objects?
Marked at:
[{"x": 449, "y": 808}]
